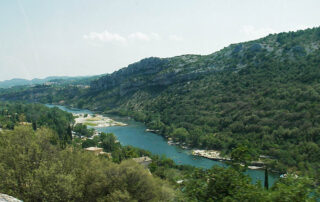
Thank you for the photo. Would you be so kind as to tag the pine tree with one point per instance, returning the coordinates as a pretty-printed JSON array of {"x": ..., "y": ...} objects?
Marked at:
[
  {"x": 34, "y": 126},
  {"x": 266, "y": 178},
  {"x": 69, "y": 133}
]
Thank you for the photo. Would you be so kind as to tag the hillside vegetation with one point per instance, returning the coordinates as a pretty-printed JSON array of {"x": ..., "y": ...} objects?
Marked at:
[
  {"x": 32, "y": 169},
  {"x": 35, "y": 167},
  {"x": 264, "y": 94}
]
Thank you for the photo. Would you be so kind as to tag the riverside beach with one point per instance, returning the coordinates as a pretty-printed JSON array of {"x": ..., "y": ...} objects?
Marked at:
[{"x": 96, "y": 120}]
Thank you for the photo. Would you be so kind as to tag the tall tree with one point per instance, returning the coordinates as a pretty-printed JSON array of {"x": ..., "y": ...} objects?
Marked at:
[{"x": 266, "y": 178}]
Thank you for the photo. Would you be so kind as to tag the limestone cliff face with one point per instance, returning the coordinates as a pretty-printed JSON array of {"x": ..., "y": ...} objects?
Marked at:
[{"x": 7, "y": 198}]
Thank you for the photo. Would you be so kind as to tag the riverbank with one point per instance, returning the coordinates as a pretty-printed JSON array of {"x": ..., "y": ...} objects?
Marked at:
[
  {"x": 210, "y": 154},
  {"x": 216, "y": 156},
  {"x": 96, "y": 120},
  {"x": 99, "y": 121}
]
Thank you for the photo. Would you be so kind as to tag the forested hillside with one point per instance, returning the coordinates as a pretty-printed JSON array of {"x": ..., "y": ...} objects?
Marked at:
[
  {"x": 35, "y": 167},
  {"x": 263, "y": 94},
  {"x": 37, "y": 116}
]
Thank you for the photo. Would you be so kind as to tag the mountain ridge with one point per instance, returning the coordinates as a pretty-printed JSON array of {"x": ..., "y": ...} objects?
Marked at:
[
  {"x": 37, "y": 81},
  {"x": 193, "y": 66}
]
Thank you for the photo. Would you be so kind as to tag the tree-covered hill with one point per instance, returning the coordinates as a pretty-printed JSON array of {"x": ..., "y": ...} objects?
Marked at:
[{"x": 264, "y": 94}]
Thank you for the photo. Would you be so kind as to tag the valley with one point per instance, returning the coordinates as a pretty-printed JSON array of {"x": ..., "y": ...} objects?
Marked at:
[
  {"x": 263, "y": 94},
  {"x": 252, "y": 104}
]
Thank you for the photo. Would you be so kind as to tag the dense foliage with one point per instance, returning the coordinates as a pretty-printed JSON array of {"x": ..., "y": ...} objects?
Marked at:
[
  {"x": 271, "y": 106},
  {"x": 263, "y": 94},
  {"x": 82, "y": 130},
  {"x": 267, "y": 98},
  {"x": 108, "y": 142},
  {"x": 227, "y": 184},
  {"x": 32, "y": 169},
  {"x": 37, "y": 115}
]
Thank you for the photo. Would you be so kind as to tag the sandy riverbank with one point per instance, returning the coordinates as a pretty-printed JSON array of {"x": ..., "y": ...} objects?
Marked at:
[
  {"x": 97, "y": 120},
  {"x": 210, "y": 154},
  {"x": 215, "y": 155}
]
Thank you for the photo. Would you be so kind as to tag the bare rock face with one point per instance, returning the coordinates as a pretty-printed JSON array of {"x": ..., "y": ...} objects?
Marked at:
[{"x": 7, "y": 198}]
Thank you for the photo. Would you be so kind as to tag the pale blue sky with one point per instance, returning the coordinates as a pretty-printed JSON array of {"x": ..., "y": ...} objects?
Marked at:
[{"x": 40, "y": 38}]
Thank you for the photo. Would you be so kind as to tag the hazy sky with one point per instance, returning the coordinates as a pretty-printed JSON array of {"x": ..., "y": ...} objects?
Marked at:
[{"x": 40, "y": 38}]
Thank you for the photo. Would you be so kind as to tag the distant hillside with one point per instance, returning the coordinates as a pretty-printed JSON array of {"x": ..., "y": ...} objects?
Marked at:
[
  {"x": 263, "y": 93},
  {"x": 52, "y": 79}
]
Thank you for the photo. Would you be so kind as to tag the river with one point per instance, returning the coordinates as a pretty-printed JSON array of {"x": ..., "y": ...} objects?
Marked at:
[{"x": 135, "y": 134}]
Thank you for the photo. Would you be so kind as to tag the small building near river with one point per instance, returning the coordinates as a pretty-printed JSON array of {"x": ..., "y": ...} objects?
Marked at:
[{"x": 95, "y": 150}]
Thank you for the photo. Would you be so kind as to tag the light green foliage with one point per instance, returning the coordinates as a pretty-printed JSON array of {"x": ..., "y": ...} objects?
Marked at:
[
  {"x": 227, "y": 184},
  {"x": 293, "y": 188},
  {"x": 32, "y": 169}
]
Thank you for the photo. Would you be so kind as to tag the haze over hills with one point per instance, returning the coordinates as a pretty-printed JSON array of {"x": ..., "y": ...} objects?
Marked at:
[
  {"x": 56, "y": 79},
  {"x": 263, "y": 93}
]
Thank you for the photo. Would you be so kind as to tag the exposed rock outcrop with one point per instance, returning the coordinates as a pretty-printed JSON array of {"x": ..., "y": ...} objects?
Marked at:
[{"x": 7, "y": 198}]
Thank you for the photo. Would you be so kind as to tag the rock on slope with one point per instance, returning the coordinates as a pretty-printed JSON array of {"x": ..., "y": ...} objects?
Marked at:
[{"x": 7, "y": 198}]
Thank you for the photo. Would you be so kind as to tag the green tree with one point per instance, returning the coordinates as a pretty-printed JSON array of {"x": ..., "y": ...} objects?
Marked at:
[
  {"x": 180, "y": 134},
  {"x": 33, "y": 169},
  {"x": 108, "y": 142},
  {"x": 241, "y": 158},
  {"x": 89, "y": 143}
]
